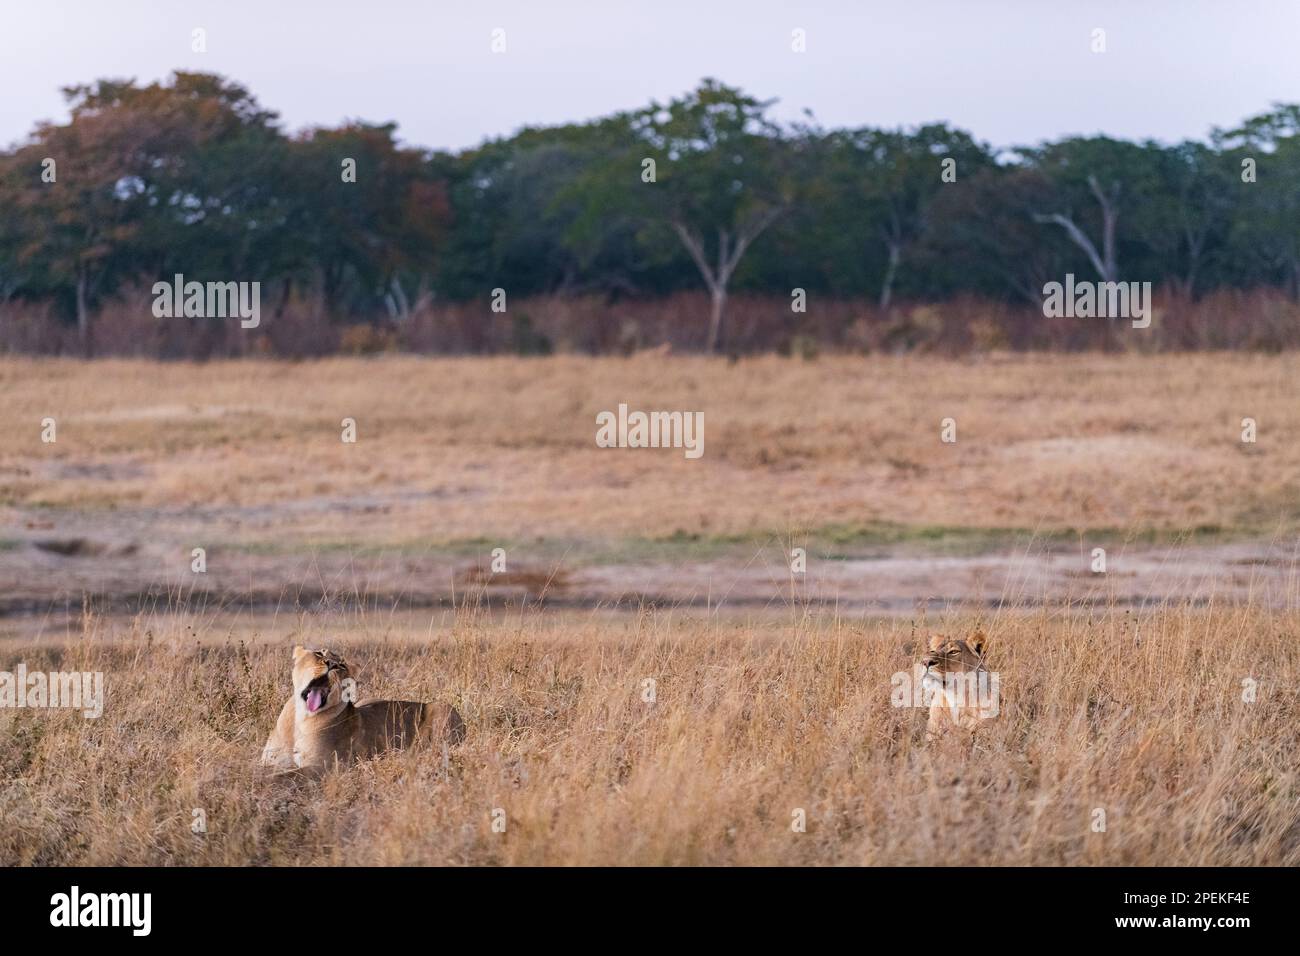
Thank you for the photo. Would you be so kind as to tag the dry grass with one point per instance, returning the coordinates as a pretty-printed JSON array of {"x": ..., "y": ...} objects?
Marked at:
[
  {"x": 1141, "y": 716},
  {"x": 1138, "y": 713},
  {"x": 463, "y": 449}
]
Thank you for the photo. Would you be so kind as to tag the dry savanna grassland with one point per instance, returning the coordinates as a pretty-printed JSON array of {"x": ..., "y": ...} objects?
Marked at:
[
  {"x": 1121, "y": 739},
  {"x": 1133, "y": 732},
  {"x": 476, "y": 448}
]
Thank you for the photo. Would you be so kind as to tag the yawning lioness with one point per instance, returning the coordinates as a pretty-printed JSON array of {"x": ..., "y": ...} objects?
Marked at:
[{"x": 320, "y": 725}]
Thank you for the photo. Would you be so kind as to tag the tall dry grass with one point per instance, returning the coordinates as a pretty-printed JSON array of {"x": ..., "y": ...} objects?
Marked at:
[{"x": 1139, "y": 715}]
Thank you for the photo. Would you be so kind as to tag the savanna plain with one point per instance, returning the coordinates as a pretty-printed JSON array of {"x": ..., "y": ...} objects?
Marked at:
[{"x": 649, "y": 681}]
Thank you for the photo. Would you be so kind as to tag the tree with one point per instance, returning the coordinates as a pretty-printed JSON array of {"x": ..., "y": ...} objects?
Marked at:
[
  {"x": 1089, "y": 176},
  {"x": 1185, "y": 212},
  {"x": 720, "y": 179},
  {"x": 884, "y": 181},
  {"x": 983, "y": 236},
  {"x": 515, "y": 203},
  {"x": 1266, "y": 230},
  {"x": 366, "y": 216},
  {"x": 128, "y": 180}
]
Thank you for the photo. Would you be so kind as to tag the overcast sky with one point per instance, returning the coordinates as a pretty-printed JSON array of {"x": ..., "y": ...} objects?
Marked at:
[{"x": 1010, "y": 71}]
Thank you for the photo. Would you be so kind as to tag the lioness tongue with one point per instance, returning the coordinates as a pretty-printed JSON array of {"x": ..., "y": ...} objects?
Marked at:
[{"x": 313, "y": 700}]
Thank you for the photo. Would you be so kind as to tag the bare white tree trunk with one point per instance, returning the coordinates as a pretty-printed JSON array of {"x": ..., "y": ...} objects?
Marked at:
[
  {"x": 1109, "y": 202},
  {"x": 401, "y": 305},
  {"x": 1105, "y": 261},
  {"x": 83, "y": 311},
  {"x": 717, "y": 277},
  {"x": 719, "y": 300},
  {"x": 887, "y": 287}
]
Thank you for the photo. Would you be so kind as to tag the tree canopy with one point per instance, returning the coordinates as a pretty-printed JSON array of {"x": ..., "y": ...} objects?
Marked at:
[{"x": 194, "y": 176}]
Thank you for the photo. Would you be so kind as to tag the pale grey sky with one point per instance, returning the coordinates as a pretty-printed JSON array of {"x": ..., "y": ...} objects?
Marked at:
[{"x": 1011, "y": 71}]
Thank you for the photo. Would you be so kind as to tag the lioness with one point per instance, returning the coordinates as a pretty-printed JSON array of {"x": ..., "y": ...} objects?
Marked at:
[
  {"x": 962, "y": 690},
  {"x": 320, "y": 724}
]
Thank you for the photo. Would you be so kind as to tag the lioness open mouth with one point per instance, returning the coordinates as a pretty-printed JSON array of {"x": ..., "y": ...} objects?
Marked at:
[{"x": 316, "y": 693}]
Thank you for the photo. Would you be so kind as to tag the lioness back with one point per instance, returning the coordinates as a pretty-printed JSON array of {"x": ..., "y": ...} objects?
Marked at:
[{"x": 396, "y": 724}]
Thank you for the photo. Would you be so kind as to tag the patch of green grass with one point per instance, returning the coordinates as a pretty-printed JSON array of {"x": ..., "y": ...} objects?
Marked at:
[
  {"x": 103, "y": 501},
  {"x": 832, "y": 542},
  {"x": 956, "y": 540}
]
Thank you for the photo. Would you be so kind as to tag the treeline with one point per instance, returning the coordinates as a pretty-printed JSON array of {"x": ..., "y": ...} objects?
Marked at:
[{"x": 586, "y": 236}]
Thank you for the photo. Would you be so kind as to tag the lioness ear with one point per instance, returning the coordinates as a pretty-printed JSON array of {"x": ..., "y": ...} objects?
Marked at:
[{"x": 979, "y": 643}]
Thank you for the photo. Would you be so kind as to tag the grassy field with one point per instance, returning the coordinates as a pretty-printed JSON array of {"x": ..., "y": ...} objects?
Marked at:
[
  {"x": 1139, "y": 716},
  {"x": 453, "y": 458},
  {"x": 1129, "y": 703},
  {"x": 461, "y": 450}
]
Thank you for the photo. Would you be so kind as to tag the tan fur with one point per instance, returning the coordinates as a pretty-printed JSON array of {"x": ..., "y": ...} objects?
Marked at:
[
  {"x": 339, "y": 731},
  {"x": 952, "y": 708}
]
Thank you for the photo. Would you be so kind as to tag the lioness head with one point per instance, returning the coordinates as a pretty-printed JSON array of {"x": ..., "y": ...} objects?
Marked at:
[
  {"x": 954, "y": 656},
  {"x": 318, "y": 678}
]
